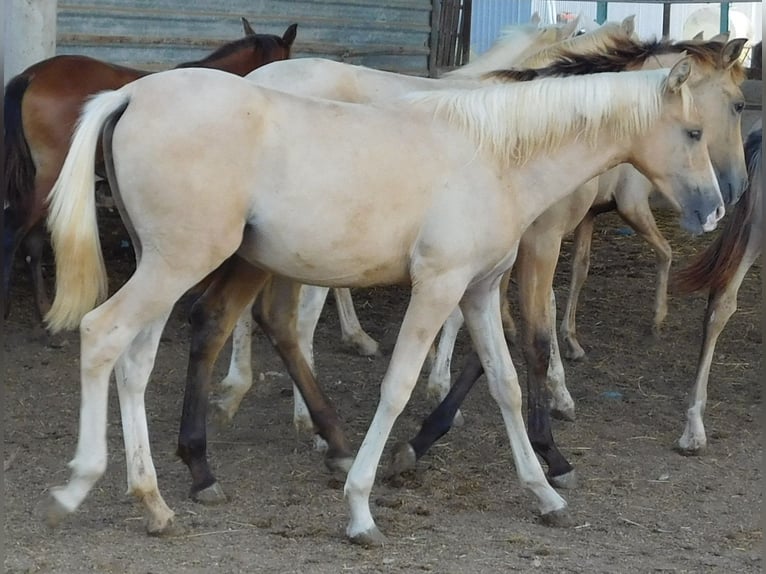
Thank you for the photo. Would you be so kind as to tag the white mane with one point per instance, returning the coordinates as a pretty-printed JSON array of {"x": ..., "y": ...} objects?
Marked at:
[{"x": 513, "y": 121}]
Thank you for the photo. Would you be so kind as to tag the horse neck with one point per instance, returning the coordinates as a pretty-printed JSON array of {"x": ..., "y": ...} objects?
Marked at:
[
  {"x": 240, "y": 62},
  {"x": 554, "y": 175}
]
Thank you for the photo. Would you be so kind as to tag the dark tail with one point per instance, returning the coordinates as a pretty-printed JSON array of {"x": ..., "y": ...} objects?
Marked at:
[
  {"x": 19, "y": 174},
  {"x": 715, "y": 266}
]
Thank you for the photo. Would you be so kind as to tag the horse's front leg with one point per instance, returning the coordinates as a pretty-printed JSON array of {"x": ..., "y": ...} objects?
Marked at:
[
  {"x": 581, "y": 246},
  {"x": 440, "y": 377},
  {"x": 213, "y": 315},
  {"x": 276, "y": 311},
  {"x": 431, "y": 302},
  {"x": 535, "y": 267},
  {"x": 481, "y": 310}
]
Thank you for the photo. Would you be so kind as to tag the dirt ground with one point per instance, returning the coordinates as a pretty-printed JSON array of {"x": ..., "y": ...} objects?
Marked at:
[{"x": 639, "y": 506}]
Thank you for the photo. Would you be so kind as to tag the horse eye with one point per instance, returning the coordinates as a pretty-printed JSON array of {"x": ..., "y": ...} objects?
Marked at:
[
  {"x": 739, "y": 106},
  {"x": 696, "y": 135}
]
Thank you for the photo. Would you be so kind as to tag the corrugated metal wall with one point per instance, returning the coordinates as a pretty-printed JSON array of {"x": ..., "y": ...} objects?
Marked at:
[{"x": 157, "y": 34}]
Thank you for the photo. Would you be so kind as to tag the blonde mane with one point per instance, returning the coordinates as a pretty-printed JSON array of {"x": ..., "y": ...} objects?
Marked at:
[
  {"x": 504, "y": 52},
  {"x": 515, "y": 121},
  {"x": 600, "y": 40}
]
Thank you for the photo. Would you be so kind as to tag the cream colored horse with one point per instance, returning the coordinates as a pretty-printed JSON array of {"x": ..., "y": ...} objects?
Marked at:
[
  {"x": 339, "y": 195},
  {"x": 524, "y": 46}
]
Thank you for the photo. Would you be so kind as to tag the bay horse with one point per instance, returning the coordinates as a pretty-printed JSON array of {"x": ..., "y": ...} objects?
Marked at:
[
  {"x": 41, "y": 106},
  {"x": 720, "y": 269},
  {"x": 332, "y": 80},
  {"x": 715, "y": 86},
  {"x": 394, "y": 200}
]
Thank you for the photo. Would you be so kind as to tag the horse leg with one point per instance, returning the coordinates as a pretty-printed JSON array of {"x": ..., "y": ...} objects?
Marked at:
[
  {"x": 212, "y": 319},
  {"x": 310, "y": 305},
  {"x": 436, "y": 425},
  {"x": 535, "y": 267},
  {"x": 639, "y": 216},
  {"x": 440, "y": 376},
  {"x": 139, "y": 307},
  {"x": 352, "y": 333},
  {"x": 277, "y": 314},
  {"x": 431, "y": 302},
  {"x": 720, "y": 307},
  {"x": 505, "y": 309},
  {"x": 481, "y": 310},
  {"x": 581, "y": 244},
  {"x": 239, "y": 378},
  {"x": 132, "y": 372},
  {"x": 34, "y": 246}
]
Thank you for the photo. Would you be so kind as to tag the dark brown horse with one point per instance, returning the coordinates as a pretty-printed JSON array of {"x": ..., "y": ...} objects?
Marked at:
[{"x": 42, "y": 105}]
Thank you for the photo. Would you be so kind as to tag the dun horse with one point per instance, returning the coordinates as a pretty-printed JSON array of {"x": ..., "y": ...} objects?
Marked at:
[
  {"x": 41, "y": 107},
  {"x": 395, "y": 199},
  {"x": 720, "y": 269},
  {"x": 715, "y": 81}
]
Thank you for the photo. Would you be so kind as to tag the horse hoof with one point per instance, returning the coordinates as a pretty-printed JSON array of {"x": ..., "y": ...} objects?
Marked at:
[
  {"x": 339, "y": 465},
  {"x": 557, "y": 518},
  {"x": 564, "y": 414},
  {"x": 403, "y": 459},
  {"x": 54, "y": 512},
  {"x": 691, "y": 450},
  {"x": 210, "y": 496},
  {"x": 363, "y": 345},
  {"x": 566, "y": 481},
  {"x": 573, "y": 351},
  {"x": 163, "y": 526},
  {"x": 458, "y": 421},
  {"x": 372, "y": 538},
  {"x": 221, "y": 416}
]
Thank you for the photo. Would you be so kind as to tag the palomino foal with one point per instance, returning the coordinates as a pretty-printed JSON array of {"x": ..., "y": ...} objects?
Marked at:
[{"x": 417, "y": 203}]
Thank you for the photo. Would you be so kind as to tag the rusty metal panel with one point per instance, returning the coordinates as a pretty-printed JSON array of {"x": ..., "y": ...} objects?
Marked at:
[{"x": 157, "y": 34}]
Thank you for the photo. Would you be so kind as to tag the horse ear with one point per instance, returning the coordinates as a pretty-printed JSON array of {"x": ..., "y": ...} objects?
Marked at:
[
  {"x": 699, "y": 36},
  {"x": 289, "y": 36},
  {"x": 535, "y": 19},
  {"x": 732, "y": 51},
  {"x": 568, "y": 30},
  {"x": 629, "y": 24},
  {"x": 723, "y": 37},
  {"x": 679, "y": 73},
  {"x": 248, "y": 28}
]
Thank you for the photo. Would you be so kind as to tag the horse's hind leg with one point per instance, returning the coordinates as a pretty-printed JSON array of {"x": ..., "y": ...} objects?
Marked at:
[
  {"x": 34, "y": 245},
  {"x": 105, "y": 333},
  {"x": 440, "y": 376},
  {"x": 352, "y": 333},
  {"x": 581, "y": 244},
  {"x": 132, "y": 373},
  {"x": 721, "y": 306},
  {"x": 276, "y": 312},
  {"x": 213, "y": 315},
  {"x": 239, "y": 379},
  {"x": 639, "y": 216}
]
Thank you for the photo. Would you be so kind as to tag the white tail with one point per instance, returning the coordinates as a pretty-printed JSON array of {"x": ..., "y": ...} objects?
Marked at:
[{"x": 81, "y": 281}]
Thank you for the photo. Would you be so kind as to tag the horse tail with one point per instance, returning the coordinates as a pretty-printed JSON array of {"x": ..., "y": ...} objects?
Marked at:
[
  {"x": 19, "y": 174},
  {"x": 714, "y": 267},
  {"x": 81, "y": 281}
]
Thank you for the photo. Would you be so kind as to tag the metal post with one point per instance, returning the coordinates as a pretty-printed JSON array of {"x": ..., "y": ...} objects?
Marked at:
[
  {"x": 601, "y": 12},
  {"x": 30, "y": 34},
  {"x": 666, "y": 20},
  {"x": 724, "y": 26}
]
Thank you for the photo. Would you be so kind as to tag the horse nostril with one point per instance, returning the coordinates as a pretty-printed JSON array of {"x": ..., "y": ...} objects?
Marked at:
[{"x": 719, "y": 213}]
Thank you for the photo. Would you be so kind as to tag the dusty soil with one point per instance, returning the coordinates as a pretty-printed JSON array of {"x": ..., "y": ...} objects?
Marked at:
[{"x": 639, "y": 506}]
